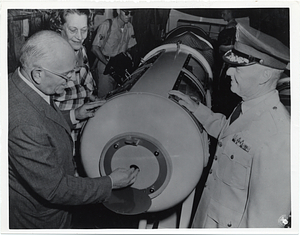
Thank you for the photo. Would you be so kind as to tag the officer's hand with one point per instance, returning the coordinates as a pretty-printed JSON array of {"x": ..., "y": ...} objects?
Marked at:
[
  {"x": 185, "y": 100},
  {"x": 88, "y": 110},
  {"x": 123, "y": 177}
]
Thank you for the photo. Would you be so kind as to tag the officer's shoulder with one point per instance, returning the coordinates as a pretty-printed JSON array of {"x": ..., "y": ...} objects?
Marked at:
[
  {"x": 277, "y": 118},
  {"x": 279, "y": 113}
]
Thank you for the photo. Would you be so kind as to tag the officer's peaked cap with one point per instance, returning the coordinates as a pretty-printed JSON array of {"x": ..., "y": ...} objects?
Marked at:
[{"x": 253, "y": 46}]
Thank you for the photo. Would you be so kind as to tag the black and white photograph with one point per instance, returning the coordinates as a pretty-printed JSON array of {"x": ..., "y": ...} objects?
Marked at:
[{"x": 140, "y": 117}]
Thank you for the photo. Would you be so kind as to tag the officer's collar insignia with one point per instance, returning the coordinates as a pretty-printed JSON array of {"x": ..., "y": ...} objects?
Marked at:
[{"x": 241, "y": 143}]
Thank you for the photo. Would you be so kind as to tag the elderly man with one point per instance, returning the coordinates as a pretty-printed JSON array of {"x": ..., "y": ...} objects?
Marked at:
[
  {"x": 42, "y": 185},
  {"x": 248, "y": 185}
]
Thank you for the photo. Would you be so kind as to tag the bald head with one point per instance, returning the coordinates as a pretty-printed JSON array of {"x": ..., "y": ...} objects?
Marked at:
[
  {"x": 44, "y": 57},
  {"x": 45, "y": 47}
]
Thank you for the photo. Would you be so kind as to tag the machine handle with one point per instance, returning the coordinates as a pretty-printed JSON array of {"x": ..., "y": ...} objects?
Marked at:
[{"x": 132, "y": 141}]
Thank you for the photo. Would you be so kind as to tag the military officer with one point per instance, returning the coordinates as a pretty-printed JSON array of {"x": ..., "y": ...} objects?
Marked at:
[{"x": 249, "y": 182}]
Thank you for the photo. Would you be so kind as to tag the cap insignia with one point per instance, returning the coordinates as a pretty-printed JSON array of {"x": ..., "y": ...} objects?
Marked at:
[{"x": 237, "y": 59}]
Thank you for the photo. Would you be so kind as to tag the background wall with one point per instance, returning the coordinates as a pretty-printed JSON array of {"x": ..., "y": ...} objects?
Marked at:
[{"x": 150, "y": 24}]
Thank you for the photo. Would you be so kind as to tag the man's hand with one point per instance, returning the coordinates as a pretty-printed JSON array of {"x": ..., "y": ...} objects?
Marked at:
[
  {"x": 123, "y": 177},
  {"x": 88, "y": 110},
  {"x": 185, "y": 100},
  {"x": 94, "y": 98}
]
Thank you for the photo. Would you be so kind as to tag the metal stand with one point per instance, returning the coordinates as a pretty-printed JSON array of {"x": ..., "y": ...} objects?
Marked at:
[{"x": 171, "y": 220}]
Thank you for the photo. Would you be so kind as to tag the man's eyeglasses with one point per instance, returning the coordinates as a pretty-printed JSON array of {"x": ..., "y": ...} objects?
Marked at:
[
  {"x": 66, "y": 76},
  {"x": 126, "y": 12}
]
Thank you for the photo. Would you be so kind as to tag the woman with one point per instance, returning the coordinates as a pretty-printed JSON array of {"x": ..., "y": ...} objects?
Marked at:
[{"x": 73, "y": 25}]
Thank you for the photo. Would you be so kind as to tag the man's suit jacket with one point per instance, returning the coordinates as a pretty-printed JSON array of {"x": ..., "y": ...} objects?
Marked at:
[
  {"x": 248, "y": 185},
  {"x": 42, "y": 184}
]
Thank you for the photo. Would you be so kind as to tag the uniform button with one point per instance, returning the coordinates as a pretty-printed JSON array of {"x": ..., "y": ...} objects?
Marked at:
[
  {"x": 210, "y": 171},
  {"x": 216, "y": 158},
  {"x": 274, "y": 107},
  {"x": 232, "y": 157},
  {"x": 220, "y": 144},
  {"x": 229, "y": 225}
]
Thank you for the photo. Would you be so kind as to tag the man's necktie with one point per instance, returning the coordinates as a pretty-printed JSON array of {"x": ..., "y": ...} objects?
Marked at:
[
  {"x": 236, "y": 113},
  {"x": 52, "y": 103}
]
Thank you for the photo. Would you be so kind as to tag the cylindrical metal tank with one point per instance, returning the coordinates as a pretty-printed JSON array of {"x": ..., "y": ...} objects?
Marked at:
[{"x": 140, "y": 125}]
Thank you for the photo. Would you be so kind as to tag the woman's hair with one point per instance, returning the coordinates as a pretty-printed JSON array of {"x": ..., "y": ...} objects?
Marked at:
[{"x": 58, "y": 17}]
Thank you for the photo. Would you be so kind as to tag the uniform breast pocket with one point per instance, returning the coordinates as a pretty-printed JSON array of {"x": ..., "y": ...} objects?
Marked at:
[{"x": 234, "y": 166}]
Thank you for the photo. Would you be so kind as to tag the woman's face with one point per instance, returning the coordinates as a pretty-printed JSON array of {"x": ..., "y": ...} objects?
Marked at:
[{"x": 75, "y": 30}]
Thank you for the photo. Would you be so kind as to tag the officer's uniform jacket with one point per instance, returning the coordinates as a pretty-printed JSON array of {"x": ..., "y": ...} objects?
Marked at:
[{"x": 249, "y": 182}]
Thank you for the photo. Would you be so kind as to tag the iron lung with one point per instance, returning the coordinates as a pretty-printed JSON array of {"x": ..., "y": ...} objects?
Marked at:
[{"x": 141, "y": 126}]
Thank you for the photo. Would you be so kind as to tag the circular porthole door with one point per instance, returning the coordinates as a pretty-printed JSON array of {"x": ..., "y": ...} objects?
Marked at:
[
  {"x": 140, "y": 151},
  {"x": 152, "y": 133}
]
